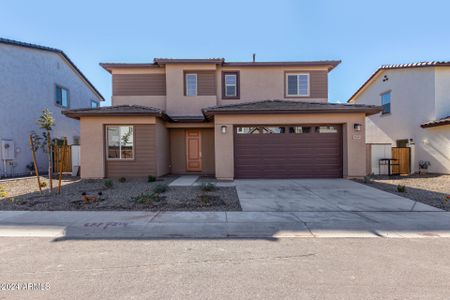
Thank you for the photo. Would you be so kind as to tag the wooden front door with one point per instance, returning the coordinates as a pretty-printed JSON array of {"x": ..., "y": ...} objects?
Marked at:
[
  {"x": 193, "y": 150},
  {"x": 403, "y": 156}
]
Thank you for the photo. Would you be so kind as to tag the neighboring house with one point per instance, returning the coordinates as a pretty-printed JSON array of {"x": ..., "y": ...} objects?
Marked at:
[
  {"x": 416, "y": 109},
  {"x": 209, "y": 116},
  {"x": 33, "y": 78}
]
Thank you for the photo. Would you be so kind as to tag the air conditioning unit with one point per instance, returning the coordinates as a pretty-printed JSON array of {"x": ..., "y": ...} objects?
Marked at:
[{"x": 7, "y": 149}]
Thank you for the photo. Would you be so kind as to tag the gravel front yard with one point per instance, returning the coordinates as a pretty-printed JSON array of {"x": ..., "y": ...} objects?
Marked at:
[
  {"x": 134, "y": 194},
  {"x": 431, "y": 189}
]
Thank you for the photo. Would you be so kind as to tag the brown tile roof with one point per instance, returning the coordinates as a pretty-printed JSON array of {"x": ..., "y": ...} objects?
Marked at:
[
  {"x": 117, "y": 110},
  {"x": 423, "y": 64},
  {"x": 436, "y": 123},
  {"x": 331, "y": 64},
  {"x": 54, "y": 50},
  {"x": 163, "y": 61},
  {"x": 158, "y": 62},
  {"x": 284, "y": 106}
]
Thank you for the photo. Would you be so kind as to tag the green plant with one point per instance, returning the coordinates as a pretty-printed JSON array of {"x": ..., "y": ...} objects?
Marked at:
[
  {"x": 205, "y": 199},
  {"x": 47, "y": 122},
  {"x": 122, "y": 179},
  {"x": 3, "y": 193},
  {"x": 160, "y": 188},
  {"x": 147, "y": 198},
  {"x": 108, "y": 183},
  {"x": 401, "y": 188},
  {"x": 43, "y": 184},
  {"x": 367, "y": 179},
  {"x": 208, "y": 187},
  {"x": 151, "y": 178}
]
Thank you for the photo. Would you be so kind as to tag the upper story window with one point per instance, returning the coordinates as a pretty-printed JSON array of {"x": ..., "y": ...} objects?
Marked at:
[
  {"x": 62, "y": 96},
  {"x": 231, "y": 85},
  {"x": 297, "y": 85},
  {"x": 191, "y": 84},
  {"x": 119, "y": 141},
  {"x": 94, "y": 104},
  {"x": 386, "y": 102}
]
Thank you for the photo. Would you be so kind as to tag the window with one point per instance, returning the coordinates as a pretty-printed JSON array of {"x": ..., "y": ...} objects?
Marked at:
[
  {"x": 326, "y": 129},
  {"x": 94, "y": 104},
  {"x": 386, "y": 102},
  {"x": 231, "y": 85},
  {"x": 119, "y": 141},
  {"x": 297, "y": 85},
  {"x": 191, "y": 84},
  {"x": 271, "y": 130},
  {"x": 299, "y": 129},
  {"x": 62, "y": 96},
  {"x": 247, "y": 130}
]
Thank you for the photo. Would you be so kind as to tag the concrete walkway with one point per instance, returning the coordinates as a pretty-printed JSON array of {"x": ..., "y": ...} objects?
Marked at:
[
  {"x": 184, "y": 180},
  {"x": 263, "y": 225}
]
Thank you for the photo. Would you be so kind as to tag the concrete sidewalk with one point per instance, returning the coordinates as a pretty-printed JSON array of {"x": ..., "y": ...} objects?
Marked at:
[{"x": 265, "y": 225}]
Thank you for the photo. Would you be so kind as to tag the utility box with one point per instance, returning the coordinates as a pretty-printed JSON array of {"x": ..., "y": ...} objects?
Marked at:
[{"x": 7, "y": 150}]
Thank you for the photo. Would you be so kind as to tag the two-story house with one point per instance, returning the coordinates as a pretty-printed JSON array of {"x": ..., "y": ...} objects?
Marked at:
[
  {"x": 228, "y": 119},
  {"x": 416, "y": 113},
  {"x": 33, "y": 78}
]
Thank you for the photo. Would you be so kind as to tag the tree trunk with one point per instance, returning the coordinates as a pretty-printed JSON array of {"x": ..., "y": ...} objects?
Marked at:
[{"x": 50, "y": 163}]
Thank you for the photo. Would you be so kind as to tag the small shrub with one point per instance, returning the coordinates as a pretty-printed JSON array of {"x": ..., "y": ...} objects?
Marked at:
[
  {"x": 147, "y": 198},
  {"x": 208, "y": 187},
  {"x": 205, "y": 199},
  {"x": 151, "y": 178},
  {"x": 43, "y": 184},
  {"x": 122, "y": 179},
  {"x": 401, "y": 188},
  {"x": 3, "y": 193},
  {"x": 108, "y": 183},
  {"x": 367, "y": 179},
  {"x": 160, "y": 188}
]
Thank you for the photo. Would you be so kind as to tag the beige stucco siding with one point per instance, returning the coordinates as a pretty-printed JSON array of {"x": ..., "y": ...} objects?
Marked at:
[
  {"x": 92, "y": 142},
  {"x": 178, "y": 151},
  {"x": 354, "y": 149}
]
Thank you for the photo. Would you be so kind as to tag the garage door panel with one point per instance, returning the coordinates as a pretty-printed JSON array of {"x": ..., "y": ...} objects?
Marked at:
[{"x": 288, "y": 155}]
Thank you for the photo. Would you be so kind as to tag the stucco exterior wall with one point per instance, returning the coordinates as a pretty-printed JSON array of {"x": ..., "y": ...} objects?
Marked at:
[
  {"x": 176, "y": 102},
  {"x": 28, "y": 80},
  {"x": 418, "y": 95},
  {"x": 256, "y": 84},
  {"x": 92, "y": 143},
  {"x": 354, "y": 148}
]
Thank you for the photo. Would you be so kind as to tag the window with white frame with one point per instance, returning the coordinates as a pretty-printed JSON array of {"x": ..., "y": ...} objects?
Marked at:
[
  {"x": 191, "y": 84},
  {"x": 120, "y": 142},
  {"x": 230, "y": 85},
  {"x": 386, "y": 102},
  {"x": 297, "y": 84},
  {"x": 62, "y": 96}
]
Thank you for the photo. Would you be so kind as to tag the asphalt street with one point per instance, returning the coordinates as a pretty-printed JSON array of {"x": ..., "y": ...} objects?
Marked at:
[{"x": 287, "y": 268}]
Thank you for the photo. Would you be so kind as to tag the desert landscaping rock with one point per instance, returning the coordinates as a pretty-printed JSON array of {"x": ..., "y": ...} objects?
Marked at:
[
  {"x": 24, "y": 194},
  {"x": 431, "y": 189}
]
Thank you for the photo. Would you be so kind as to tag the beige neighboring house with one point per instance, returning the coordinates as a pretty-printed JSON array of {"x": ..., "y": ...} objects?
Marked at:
[
  {"x": 416, "y": 113},
  {"x": 227, "y": 119}
]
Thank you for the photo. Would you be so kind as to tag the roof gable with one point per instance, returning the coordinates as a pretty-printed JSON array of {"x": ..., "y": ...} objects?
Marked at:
[{"x": 60, "y": 53}]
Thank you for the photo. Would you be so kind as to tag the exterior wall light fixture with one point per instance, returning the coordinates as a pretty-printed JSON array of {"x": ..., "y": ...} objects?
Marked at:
[
  {"x": 223, "y": 129},
  {"x": 357, "y": 127}
]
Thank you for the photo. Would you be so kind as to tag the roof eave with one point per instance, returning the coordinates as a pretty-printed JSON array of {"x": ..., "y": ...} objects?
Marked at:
[{"x": 367, "y": 111}]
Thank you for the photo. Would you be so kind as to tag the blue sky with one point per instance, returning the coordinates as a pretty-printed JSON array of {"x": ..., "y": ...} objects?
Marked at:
[{"x": 363, "y": 34}]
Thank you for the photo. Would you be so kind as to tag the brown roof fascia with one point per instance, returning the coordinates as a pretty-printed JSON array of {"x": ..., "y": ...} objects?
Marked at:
[
  {"x": 331, "y": 64},
  {"x": 109, "y": 66},
  {"x": 436, "y": 123}
]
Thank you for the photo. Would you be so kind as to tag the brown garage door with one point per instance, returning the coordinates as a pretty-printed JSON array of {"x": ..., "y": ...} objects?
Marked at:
[{"x": 303, "y": 151}]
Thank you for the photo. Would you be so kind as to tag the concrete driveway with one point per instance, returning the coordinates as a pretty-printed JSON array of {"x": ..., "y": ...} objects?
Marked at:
[{"x": 320, "y": 195}]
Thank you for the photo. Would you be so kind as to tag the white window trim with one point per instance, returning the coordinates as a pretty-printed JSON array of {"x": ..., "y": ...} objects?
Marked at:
[
  {"x": 187, "y": 86},
  {"x": 68, "y": 96},
  {"x": 390, "y": 102},
  {"x": 298, "y": 85},
  {"x": 120, "y": 152},
  {"x": 227, "y": 85}
]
